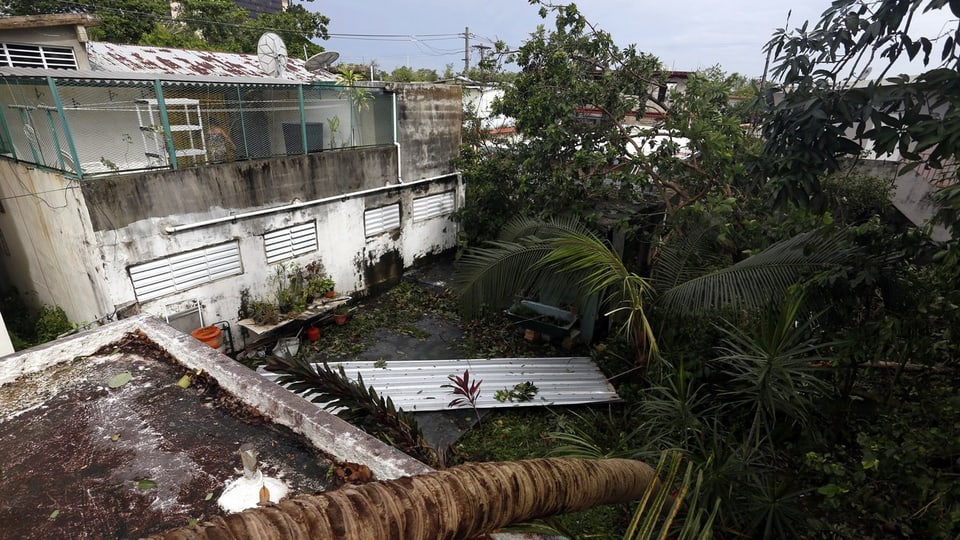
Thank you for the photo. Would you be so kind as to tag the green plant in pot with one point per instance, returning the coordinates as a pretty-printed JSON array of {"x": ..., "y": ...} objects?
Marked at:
[
  {"x": 340, "y": 314},
  {"x": 263, "y": 312},
  {"x": 327, "y": 285}
]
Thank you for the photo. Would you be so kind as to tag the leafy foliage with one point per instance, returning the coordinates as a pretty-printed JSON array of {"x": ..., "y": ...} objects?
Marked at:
[
  {"x": 218, "y": 25},
  {"x": 468, "y": 391},
  {"x": 823, "y": 115},
  {"x": 123, "y": 21}
]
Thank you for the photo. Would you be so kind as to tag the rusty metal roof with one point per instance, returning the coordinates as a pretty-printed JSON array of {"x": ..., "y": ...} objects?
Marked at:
[
  {"x": 418, "y": 385},
  {"x": 115, "y": 58}
]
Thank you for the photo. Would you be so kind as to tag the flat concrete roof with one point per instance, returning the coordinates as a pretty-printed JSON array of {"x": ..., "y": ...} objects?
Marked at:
[{"x": 74, "y": 442}]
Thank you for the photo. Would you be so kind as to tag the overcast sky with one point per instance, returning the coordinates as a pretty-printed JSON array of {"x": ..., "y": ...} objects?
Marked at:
[{"x": 685, "y": 34}]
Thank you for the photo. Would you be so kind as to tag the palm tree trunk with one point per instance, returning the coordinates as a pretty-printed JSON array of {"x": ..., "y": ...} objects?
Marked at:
[{"x": 461, "y": 502}]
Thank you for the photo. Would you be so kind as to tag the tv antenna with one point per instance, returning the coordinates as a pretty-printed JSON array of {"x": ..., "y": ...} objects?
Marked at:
[
  {"x": 321, "y": 61},
  {"x": 272, "y": 53}
]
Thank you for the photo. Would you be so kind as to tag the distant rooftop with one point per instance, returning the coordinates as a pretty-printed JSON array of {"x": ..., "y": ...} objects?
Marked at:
[{"x": 41, "y": 21}]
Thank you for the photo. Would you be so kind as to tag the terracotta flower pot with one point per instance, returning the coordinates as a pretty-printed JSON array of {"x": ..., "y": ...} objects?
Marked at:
[
  {"x": 340, "y": 319},
  {"x": 330, "y": 294},
  {"x": 313, "y": 333}
]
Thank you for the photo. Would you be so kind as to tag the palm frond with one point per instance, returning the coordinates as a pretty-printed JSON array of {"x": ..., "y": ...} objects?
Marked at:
[
  {"x": 660, "y": 507},
  {"x": 681, "y": 256},
  {"x": 490, "y": 276},
  {"x": 601, "y": 271},
  {"x": 752, "y": 282},
  {"x": 522, "y": 227}
]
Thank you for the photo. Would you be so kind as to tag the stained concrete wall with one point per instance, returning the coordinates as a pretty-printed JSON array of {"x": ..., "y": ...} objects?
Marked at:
[
  {"x": 118, "y": 201},
  {"x": 355, "y": 262},
  {"x": 430, "y": 117},
  {"x": 47, "y": 250}
]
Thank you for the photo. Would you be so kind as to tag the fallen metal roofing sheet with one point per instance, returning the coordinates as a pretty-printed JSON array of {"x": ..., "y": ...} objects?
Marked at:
[{"x": 417, "y": 385}]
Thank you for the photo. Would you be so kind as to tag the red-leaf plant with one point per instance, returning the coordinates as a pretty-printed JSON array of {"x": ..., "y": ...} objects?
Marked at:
[{"x": 469, "y": 391}]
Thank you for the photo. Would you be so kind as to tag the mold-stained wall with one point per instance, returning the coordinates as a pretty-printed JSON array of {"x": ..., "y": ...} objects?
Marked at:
[
  {"x": 430, "y": 118},
  {"x": 46, "y": 243}
]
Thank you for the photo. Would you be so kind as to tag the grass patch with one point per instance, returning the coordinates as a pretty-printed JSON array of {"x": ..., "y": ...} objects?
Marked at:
[{"x": 509, "y": 435}]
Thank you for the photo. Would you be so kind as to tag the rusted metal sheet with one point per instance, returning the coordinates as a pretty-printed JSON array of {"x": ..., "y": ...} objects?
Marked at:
[
  {"x": 117, "y": 58},
  {"x": 418, "y": 385}
]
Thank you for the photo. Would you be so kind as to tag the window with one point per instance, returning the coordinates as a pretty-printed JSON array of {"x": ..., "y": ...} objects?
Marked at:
[
  {"x": 185, "y": 270},
  {"x": 433, "y": 206},
  {"x": 37, "y": 56},
  {"x": 381, "y": 220},
  {"x": 290, "y": 242}
]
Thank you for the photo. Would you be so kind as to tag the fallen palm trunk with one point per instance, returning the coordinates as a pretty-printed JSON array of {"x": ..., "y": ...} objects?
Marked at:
[{"x": 461, "y": 502}]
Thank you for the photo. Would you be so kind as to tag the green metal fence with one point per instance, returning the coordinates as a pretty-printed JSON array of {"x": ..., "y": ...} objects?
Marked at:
[{"x": 86, "y": 128}]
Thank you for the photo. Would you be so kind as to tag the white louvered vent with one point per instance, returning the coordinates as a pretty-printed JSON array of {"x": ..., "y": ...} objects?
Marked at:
[
  {"x": 290, "y": 242},
  {"x": 37, "y": 56},
  {"x": 380, "y": 220},
  {"x": 185, "y": 270},
  {"x": 433, "y": 206}
]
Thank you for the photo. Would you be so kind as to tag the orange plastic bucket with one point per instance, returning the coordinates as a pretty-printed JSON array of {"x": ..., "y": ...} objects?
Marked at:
[{"x": 209, "y": 335}]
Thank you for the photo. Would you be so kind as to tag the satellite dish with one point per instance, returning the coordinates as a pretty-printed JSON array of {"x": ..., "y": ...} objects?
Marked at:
[
  {"x": 321, "y": 61},
  {"x": 272, "y": 54}
]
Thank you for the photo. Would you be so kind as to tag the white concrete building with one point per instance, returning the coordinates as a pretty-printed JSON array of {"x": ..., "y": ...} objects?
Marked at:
[{"x": 119, "y": 195}]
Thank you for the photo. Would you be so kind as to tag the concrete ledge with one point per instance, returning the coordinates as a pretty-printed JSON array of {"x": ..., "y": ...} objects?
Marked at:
[{"x": 326, "y": 432}]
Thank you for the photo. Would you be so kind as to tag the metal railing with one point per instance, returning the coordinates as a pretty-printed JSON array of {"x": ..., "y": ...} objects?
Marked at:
[{"x": 84, "y": 128}]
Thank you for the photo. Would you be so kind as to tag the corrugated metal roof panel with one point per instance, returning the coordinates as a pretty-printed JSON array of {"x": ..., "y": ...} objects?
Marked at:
[
  {"x": 112, "y": 57},
  {"x": 417, "y": 385}
]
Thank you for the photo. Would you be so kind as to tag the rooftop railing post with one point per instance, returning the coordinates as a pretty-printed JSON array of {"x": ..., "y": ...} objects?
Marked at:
[
  {"x": 8, "y": 140},
  {"x": 77, "y": 169},
  {"x": 165, "y": 120},
  {"x": 243, "y": 126},
  {"x": 303, "y": 118}
]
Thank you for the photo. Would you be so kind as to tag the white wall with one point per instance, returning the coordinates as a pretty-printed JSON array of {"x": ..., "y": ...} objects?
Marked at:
[
  {"x": 343, "y": 248},
  {"x": 46, "y": 249}
]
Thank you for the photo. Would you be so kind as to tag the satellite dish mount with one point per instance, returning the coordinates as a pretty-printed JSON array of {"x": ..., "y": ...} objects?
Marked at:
[{"x": 272, "y": 53}]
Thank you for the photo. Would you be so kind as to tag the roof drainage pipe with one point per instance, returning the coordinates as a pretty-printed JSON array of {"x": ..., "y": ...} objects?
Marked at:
[
  {"x": 396, "y": 140},
  {"x": 302, "y": 204}
]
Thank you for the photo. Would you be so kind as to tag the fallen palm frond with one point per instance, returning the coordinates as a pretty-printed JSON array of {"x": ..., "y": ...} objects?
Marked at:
[{"x": 354, "y": 402}]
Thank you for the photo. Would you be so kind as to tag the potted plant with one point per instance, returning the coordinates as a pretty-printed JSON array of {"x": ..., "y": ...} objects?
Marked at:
[
  {"x": 321, "y": 286},
  {"x": 340, "y": 315}
]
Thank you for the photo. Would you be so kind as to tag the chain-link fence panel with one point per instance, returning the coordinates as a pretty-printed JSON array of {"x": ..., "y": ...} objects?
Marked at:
[
  {"x": 88, "y": 128},
  {"x": 105, "y": 126}
]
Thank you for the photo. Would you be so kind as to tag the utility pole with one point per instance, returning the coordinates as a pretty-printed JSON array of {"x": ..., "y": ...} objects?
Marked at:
[{"x": 466, "y": 50}]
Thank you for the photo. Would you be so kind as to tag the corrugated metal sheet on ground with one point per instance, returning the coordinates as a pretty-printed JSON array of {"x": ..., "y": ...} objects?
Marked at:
[{"x": 417, "y": 385}]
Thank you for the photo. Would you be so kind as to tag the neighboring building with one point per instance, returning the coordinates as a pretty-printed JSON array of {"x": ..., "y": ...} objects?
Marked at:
[
  {"x": 257, "y": 7},
  {"x": 121, "y": 191},
  {"x": 478, "y": 100}
]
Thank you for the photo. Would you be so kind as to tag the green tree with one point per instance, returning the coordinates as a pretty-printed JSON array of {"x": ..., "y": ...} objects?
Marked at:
[
  {"x": 572, "y": 103},
  {"x": 839, "y": 97},
  {"x": 296, "y": 25},
  {"x": 408, "y": 74},
  {"x": 199, "y": 24},
  {"x": 123, "y": 21},
  {"x": 574, "y": 88}
]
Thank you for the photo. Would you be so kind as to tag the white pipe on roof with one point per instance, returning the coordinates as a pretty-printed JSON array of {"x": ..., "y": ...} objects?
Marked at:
[{"x": 297, "y": 205}]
